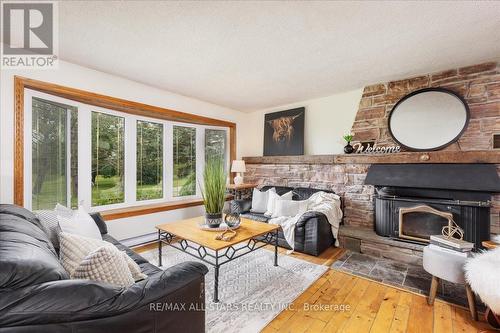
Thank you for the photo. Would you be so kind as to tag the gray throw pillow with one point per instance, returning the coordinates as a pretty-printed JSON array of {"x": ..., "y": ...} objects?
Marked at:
[{"x": 50, "y": 225}]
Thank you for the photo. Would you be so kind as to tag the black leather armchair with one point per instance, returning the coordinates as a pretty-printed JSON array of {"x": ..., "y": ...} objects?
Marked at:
[
  {"x": 313, "y": 233},
  {"x": 54, "y": 303}
]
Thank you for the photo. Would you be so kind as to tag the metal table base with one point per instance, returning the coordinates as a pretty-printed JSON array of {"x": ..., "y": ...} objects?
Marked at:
[{"x": 220, "y": 257}]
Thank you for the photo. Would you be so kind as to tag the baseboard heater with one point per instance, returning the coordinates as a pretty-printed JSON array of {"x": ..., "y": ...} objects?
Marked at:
[{"x": 140, "y": 240}]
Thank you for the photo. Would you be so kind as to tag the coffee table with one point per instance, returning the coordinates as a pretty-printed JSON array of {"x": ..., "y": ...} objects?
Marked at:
[{"x": 186, "y": 236}]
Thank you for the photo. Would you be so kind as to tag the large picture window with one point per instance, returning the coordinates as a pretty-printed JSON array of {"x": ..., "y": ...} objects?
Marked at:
[
  {"x": 108, "y": 159},
  {"x": 184, "y": 150},
  {"x": 149, "y": 160},
  {"x": 54, "y": 153},
  {"x": 77, "y": 153}
]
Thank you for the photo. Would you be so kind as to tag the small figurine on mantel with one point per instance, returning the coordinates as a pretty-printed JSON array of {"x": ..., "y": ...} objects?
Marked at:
[{"x": 348, "y": 149}]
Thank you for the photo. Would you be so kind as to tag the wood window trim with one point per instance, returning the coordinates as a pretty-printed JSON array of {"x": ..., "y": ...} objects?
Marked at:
[
  {"x": 114, "y": 214},
  {"x": 112, "y": 103},
  {"x": 120, "y": 213}
]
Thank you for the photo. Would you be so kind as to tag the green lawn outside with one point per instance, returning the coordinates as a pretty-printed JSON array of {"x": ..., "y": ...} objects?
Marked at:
[
  {"x": 53, "y": 191},
  {"x": 184, "y": 186},
  {"x": 107, "y": 191},
  {"x": 149, "y": 192}
]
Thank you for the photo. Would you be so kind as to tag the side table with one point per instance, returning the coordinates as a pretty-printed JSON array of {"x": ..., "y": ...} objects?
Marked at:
[{"x": 241, "y": 190}]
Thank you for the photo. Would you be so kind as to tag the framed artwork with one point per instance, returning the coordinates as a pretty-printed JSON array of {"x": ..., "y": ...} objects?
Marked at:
[{"x": 284, "y": 132}]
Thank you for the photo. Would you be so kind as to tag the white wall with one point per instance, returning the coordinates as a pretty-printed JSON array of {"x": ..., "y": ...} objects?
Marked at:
[
  {"x": 75, "y": 76},
  {"x": 326, "y": 120}
]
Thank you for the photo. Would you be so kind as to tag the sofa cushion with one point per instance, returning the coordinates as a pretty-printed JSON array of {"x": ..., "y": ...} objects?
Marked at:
[
  {"x": 279, "y": 189},
  {"x": 26, "y": 254},
  {"x": 255, "y": 217},
  {"x": 20, "y": 212},
  {"x": 303, "y": 193}
]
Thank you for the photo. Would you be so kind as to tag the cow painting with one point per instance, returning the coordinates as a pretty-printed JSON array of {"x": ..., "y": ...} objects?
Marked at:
[{"x": 284, "y": 133}]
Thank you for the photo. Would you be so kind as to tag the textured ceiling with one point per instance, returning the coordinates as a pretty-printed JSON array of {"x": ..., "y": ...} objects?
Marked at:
[{"x": 254, "y": 55}]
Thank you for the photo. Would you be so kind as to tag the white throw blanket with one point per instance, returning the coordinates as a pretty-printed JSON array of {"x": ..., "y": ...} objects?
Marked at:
[{"x": 322, "y": 202}]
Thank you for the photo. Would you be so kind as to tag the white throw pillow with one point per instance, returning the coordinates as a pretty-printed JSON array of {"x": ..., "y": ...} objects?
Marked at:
[
  {"x": 290, "y": 208},
  {"x": 259, "y": 200},
  {"x": 105, "y": 264},
  {"x": 271, "y": 201},
  {"x": 74, "y": 248},
  {"x": 79, "y": 223}
]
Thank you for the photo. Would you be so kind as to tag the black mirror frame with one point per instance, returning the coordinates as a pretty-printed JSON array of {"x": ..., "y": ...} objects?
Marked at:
[{"x": 420, "y": 91}]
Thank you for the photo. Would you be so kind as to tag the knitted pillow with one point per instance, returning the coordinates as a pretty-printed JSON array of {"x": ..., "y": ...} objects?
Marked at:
[
  {"x": 105, "y": 264},
  {"x": 74, "y": 248}
]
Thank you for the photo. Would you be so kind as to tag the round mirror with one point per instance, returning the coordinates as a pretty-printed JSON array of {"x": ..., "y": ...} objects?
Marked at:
[{"x": 428, "y": 119}]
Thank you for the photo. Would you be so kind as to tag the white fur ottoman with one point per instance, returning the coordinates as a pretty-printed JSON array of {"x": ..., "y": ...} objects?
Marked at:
[{"x": 483, "y": 274}]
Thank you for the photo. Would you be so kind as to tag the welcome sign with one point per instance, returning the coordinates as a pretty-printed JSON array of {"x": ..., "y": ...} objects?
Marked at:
[{"x": 375, "y": 149}]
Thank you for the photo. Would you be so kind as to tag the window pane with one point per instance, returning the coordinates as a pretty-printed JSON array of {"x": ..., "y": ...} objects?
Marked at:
[
  {"x": 149, "y": 160},
  {"x": 107, "y": 159},
  {"x": 184, "y": 182},
  {"x": 54, "y": 154},
  {"x": 215, "y": 144}
]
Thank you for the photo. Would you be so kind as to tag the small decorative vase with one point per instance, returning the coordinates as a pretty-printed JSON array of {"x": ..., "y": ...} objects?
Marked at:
[
  {"x": 348, "y": 149},
  {"x": 213, "y": 220},
  {"x": 232, "y": 220}
]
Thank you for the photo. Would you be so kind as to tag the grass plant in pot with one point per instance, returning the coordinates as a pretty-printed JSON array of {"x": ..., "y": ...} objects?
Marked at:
[{"x": 213, "y": 191}]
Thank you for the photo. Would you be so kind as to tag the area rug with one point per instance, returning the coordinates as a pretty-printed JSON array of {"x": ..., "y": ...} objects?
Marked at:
[{"x": 252, "y": 291}]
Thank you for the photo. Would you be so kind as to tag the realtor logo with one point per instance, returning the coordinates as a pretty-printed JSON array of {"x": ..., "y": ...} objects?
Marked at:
[{"x": 28, "y": 34}]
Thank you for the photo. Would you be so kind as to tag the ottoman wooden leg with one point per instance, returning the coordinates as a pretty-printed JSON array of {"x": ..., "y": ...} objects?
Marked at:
[
  {"x": 472, "y": 301},
  {"x": 433, "y": 291}
]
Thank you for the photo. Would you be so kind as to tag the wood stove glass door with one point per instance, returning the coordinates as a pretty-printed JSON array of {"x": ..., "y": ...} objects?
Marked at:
[{"x": 420, "y": 222}]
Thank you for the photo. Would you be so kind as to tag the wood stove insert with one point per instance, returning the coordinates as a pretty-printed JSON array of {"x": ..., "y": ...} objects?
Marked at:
[{"x": 461, "y": 192}]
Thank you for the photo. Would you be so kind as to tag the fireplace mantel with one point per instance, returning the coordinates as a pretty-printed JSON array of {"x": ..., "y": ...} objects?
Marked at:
[{"x": 479, "y": 156}]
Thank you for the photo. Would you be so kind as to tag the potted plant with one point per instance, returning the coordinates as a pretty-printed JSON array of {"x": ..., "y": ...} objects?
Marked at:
[
  {"x": 348, "y": 149},
  {"x": 214, "y": 191}
]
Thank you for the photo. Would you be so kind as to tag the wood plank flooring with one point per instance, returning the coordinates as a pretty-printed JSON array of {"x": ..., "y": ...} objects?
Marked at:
[{"x": 341, "y": 302}]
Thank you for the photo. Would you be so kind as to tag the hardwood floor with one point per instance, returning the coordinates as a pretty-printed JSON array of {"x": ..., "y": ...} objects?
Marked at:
[{"x": 341, "y": 302}]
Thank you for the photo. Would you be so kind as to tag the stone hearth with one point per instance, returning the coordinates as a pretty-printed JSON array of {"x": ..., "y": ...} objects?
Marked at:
[
  {"x": 406, "y": 276},
  {"x": 366, "y": 241}
]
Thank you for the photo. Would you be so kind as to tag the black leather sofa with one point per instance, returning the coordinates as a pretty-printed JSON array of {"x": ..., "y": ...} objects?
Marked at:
[
  {"x": 36, "y": 294},
  {"x": 313, "y": 232}
]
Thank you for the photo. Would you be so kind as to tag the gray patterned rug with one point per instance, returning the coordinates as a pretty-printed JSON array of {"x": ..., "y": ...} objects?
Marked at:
[{"x": 251, "y": 290}]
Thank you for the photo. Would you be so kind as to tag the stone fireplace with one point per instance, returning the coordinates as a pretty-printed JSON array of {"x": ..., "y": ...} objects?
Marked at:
[{"x": 344, "y": 174}]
